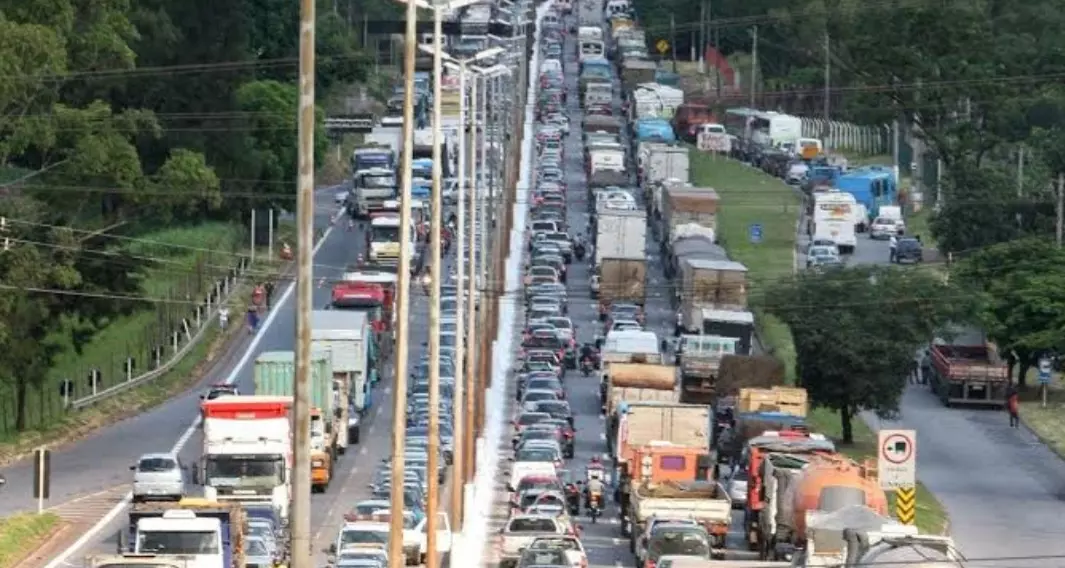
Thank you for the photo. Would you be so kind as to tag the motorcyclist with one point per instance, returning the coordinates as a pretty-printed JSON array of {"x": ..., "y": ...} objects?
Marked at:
[{"x": 596, "y": 487}]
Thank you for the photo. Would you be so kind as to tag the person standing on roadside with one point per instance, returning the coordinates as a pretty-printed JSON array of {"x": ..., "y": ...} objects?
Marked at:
[
  {"x": 1013, "y": 407},
  {"x": 893, "y": 246}
]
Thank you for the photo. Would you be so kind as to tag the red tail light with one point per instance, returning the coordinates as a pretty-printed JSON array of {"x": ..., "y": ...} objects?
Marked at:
[{"x": 649, "y": 564}]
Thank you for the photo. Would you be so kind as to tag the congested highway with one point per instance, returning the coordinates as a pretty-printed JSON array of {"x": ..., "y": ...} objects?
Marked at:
[{"x": 602, "y": 538}]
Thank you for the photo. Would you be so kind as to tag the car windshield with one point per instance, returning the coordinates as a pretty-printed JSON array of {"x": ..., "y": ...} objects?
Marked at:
[
  {"x": 682, "y": 541},
  {"x": 526, "y": 524},
  {"x": 362, "y": 536},
  {"x": 255, "y": 547},
  {"x": 156, "y": 465},
  {"x": 535, "y": 455},
  {"x": 532, "y": 418},
  {"x": 822, "y": 252}
]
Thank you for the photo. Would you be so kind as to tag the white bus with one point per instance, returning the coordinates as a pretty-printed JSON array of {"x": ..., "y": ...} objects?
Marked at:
[{"x": 835, "y": 217}]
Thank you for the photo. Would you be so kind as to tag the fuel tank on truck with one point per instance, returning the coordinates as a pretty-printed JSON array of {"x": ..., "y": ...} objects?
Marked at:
[{"x": 831, "y": 483}]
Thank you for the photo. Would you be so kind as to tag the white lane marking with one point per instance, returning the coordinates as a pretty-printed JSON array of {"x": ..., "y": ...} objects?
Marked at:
[{"x": 121, "y": 506}]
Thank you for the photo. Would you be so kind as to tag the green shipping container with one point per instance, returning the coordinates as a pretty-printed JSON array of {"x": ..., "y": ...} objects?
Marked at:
[{"x": 275, "y": 373}]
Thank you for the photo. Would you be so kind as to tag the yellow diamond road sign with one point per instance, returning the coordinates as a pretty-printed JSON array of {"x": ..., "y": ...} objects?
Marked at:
[{"x": 663, "y": 46}]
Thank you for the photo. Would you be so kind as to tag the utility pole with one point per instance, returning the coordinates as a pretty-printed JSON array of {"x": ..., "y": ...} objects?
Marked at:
[
  {"x": 895, "y": 141},
  {"x": 435, "y": 274},
  {"x": 478, "y": 280},
  {"x": 1061, "y": 207},
  {"x": 825, "y": 130},
  {"x": 1020, "y": 183},
  {"x": 458, "y": 410},
  {"x": 700, "y": 44},
  {"x": 300, "y": 511},
  {"x": 471, "y": 328},
  {"x": 717, "y": 52},
  {"x": 673, "y": 40},
  {"x": 753, "y": 80},
  {"x": 396, "y": 558},
  {"x": 252, "y": 259}
]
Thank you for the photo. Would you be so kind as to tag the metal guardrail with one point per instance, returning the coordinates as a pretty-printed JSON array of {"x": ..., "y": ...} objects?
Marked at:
[
  {"x": 847, "y": 136},
  {"x": 184, "y": 339}
]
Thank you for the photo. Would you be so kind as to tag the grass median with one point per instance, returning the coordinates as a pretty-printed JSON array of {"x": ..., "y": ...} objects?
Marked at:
[
  {"x": 66, "y": 427},
  {"x": 22, "y": 534},
  {"x": 750, "y": 197}
]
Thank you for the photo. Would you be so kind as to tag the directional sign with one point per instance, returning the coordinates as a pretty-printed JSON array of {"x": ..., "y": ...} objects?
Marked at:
[
  {"x": 1044, "y": 371},
  {"x": 906, "y": 505},
  {"x": 897, "y": 459},
  {"x": 662, "y": 46},
  {"x": 754, "y": 232}
]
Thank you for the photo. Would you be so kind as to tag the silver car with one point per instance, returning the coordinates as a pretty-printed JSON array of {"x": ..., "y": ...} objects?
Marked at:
[{"x": 158, "y": 477}]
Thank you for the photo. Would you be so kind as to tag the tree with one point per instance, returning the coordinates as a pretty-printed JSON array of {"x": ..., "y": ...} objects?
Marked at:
[
  {"x": 1021, "y": 292},
  {"x": 186, "y": 185},
  {"x": 856, "y": 331}
]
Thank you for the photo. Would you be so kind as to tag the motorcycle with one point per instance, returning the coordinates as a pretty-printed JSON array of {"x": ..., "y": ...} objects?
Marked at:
[
  {"x": 595, "y": 503},
  {"x": 573, "y": 499},
  {"x": 587, "y": 366}
]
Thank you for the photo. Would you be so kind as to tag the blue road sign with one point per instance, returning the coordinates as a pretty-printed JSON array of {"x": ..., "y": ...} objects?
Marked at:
[
  {"x": 754, "y": 232},
  {"x": 1044, "y": 371}
]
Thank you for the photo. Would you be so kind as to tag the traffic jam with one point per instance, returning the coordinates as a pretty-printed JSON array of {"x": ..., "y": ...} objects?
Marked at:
[{"x": 586, "y": 306}]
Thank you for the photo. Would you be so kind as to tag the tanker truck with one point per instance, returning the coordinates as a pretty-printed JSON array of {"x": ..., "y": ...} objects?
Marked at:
[
  {"x": 796, "y": 485},
  {"x": 860, "y": 536}
]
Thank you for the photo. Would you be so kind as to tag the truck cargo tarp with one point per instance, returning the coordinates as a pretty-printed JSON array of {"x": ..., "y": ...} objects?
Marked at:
[
  {"x": 743, "y": 371},
  {"x": 698, "y": 247},
  {"x": 660, "y": 377}
]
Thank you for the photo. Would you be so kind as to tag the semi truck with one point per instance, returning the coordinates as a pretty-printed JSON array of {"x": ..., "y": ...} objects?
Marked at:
[
  {"x": 683, "y": 203},
  {"x": 247, "y": 451},
  {"x": 659, "y": 162},
  {"x": 131, "y": 560},
  {"x": 275, "y": 375},
  {"x": 638, "y": 382},
  {"x": 211, "y": 534},
  {"x": 699, "y": 359},
  {"x": 704, "y": 502},
  {"x": 346, "y": 337},
  {"x": 372, "y": 292}
]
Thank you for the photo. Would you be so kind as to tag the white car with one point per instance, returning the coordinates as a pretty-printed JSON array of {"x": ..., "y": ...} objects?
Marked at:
[
  {"x": 737, "y": 487},
  {"x": 884, "y": 227},
  {"x": 341, "y": 197}
]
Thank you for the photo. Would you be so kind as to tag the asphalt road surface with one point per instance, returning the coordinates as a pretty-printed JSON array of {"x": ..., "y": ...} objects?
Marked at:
[
  {"x": 1003, "y": 489},
  {"x": 102, "y": 460},
  {"x": 603, "y": 540}
]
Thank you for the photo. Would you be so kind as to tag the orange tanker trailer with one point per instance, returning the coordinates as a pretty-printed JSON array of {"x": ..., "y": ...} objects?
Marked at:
[{"x": 824, "y": 483}]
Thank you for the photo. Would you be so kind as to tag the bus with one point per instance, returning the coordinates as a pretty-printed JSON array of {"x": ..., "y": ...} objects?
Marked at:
[
  {"x": 835, "y": 219},
  {"x": 768, "y": 128}
]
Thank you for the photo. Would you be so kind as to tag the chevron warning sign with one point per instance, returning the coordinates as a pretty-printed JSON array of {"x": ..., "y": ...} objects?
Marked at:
[{"x": 906, "y": 504}]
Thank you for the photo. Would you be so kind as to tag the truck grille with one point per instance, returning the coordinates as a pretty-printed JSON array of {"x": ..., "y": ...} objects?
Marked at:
[{"x": 248, "y": 494}]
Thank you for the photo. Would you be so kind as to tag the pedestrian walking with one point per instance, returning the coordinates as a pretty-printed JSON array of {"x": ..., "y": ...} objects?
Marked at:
[
  {"x": 223, "y": 318},
  {"x": 1013, "y": 407},
  {"x": 269, "y": 293},
  {"x": 253, "y": 319},
  {"x": 893, "y": 246}
]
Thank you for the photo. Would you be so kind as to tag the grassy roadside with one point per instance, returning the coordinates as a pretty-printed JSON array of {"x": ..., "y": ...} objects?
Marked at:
[
  {"x": 69, "y": 427},
  {"x": 750, "y": 197},
  {"x": 22, "y": 534},
  {"x": 185, "y": 263}
]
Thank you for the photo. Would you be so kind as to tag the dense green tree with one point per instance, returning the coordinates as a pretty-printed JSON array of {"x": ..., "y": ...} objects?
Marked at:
[
  {"x": 1021, "y": 291},
  {"x": 856, "y": 332}
]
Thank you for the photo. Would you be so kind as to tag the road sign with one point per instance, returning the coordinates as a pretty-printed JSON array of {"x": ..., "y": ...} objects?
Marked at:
[
  {"x": 906, "y": 505},
  {"x": 1044, "y": 371},
  {"x": 662, "y": 46},
  {"x": 897, "y": 459},
  {"x": 754, "y": 232}
]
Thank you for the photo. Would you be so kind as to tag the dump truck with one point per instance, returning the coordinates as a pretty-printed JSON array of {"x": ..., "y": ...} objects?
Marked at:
[
  {"x": 275, "y": 373},
  {"x": 638, "y": 382},
  {"x": 210, "y": 533},
  {"x": 968, "y": 374},
  {"x": 346, "y": 336},
  {"x": 699, "y": 358},
  {"x": 705, "y": 502},
  {"x": 247, "y": 451}
]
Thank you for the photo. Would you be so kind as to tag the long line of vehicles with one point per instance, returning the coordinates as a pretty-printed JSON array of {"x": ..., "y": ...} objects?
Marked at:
[{"x": 693, "y": 428}]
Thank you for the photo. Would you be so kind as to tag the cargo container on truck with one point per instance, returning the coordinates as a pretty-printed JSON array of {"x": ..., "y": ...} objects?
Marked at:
[
  {"x": 275, "y": 373},
  {"x": 660, "y": 162},
  {"x": 346, "y": 336},
  {"x": 682, "y": 204},
  {"x": 699, "y": 359},
  {"x": 621, "y": 257},
  {"x": 247, "y": 450},
  {"x": 210, "y": 534},
  {"x": 638, "y": 382},
  {"x": 372, "y": 292}
]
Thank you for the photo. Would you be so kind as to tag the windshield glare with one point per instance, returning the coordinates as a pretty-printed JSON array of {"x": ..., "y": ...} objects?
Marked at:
[
  {"x": 384, "y": 234},
  {"x": 235, "y": 471},
  {"x": 185, "y": 542}
]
